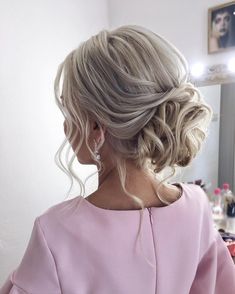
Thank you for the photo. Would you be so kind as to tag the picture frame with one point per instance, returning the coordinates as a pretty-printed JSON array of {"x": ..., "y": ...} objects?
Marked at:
[{"x": 221, "y": 28}]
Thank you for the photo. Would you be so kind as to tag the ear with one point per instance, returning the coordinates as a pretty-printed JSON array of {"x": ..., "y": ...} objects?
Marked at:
[{"x": 98, "y": 133}]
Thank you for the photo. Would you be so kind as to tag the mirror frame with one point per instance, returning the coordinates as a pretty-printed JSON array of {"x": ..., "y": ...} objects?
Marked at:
[{"x": 215, "y": 74}]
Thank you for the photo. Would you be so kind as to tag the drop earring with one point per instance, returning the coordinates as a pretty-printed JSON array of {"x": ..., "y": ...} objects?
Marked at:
[
  {"x": 98, "y": 146},
  {"x": 96, "y": 151}
]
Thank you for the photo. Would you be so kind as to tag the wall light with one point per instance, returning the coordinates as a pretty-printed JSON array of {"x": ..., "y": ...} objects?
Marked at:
[
  {"x": 231, "y": 65},
  {"x": 197, "y": 69}
]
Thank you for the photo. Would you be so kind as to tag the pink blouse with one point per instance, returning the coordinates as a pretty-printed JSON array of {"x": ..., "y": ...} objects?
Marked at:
[{"x": 78, "y": 248}]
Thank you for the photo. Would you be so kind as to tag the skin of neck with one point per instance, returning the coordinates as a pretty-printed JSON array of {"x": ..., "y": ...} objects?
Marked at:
[{"x": 139, "y": 182}]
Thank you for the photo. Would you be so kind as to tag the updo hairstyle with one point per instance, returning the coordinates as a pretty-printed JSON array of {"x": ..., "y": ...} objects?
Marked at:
[{"x": 135, "y": 83}]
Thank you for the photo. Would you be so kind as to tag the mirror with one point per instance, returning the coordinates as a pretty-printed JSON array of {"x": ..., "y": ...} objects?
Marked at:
[{"x": 215, "y": 164}]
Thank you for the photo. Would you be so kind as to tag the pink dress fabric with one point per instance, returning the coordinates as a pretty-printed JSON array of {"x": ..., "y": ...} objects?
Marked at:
[{"x": 78, "y": 248}]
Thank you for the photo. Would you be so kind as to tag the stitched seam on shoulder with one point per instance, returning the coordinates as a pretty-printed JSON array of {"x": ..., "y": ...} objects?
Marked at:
[
  {"x": 21, "y": 289},
  {"x": 12, "y": 278},
  {"x": 39, "y": 225}
]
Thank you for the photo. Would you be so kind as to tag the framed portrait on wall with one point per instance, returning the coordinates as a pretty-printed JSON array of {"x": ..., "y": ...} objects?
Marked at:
[{"x": 221, "y": 28}]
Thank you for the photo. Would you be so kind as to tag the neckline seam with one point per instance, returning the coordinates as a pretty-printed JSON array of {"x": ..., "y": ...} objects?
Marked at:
[{"x": 175, "y": 203}]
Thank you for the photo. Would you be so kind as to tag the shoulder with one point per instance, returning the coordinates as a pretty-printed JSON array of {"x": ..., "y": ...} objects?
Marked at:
[
  {"x": 59, "y": 215},
  {"x": 196, "y": 202},
  {"x": 59, "y": 207},
  {"x": 198, "y": 211},
  {"x": 192, "y": 204},
  {"x": 191, "y": 218},
  {"x": 191, "y": 212},
  {"x": 195, "y": 198}
]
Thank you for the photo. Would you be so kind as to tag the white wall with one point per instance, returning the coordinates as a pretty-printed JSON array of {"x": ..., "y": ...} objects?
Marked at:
[
  {"x": 183, "y": 22},
  {"x": 35, "y": 37}
]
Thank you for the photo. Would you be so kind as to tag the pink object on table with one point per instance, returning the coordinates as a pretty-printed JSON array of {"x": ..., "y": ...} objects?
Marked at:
[
  {"x": 78, "y": 248},
  {"x": 225, "y": 186},
  {"x": 231, "y": 248},
  {"x": 217, "y": 191}
]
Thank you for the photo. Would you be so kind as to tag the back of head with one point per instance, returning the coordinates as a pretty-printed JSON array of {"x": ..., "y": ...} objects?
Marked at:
[{"x": 134, "y": 82}]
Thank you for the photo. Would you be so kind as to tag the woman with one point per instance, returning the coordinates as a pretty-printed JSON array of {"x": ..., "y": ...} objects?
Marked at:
[
  {"x": 221, "y": 29},
  {"x": 128, "y": 109}
]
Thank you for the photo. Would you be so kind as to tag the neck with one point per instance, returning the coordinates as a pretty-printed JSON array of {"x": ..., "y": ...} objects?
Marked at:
[
  {"x": 138, "y": 182},
  {"x": 134, "y": 177},
  {"x": 106, "y": 175}
]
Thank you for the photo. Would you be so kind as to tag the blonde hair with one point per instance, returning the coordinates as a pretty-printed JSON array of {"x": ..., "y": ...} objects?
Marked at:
[{"x": 135, "y": 83}]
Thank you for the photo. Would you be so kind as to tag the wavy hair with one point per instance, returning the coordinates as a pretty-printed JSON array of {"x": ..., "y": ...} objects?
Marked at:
[{"x": 135, "y": 83}]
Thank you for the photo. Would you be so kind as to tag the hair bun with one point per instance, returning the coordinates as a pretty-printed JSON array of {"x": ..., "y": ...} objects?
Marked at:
[{"x": 175, "y": 133}]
